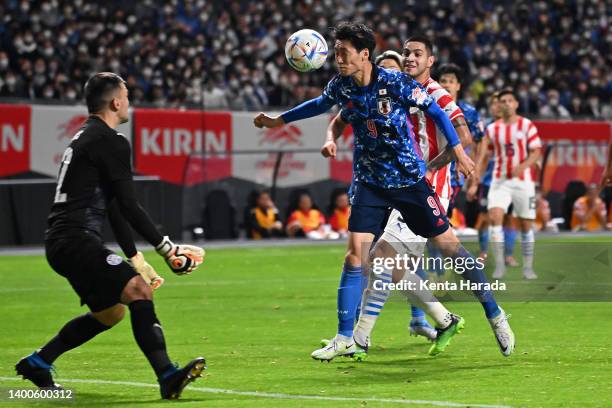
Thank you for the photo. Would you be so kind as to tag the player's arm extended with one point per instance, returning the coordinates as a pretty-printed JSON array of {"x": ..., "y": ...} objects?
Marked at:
[
  {"x": 308, "y": 109},
  {"x": 464, "y": 163},
  {"x": 447, "y": 154},
  {"x": 182, "y": 259},
  {"x": 133, "y": 212},
  {"x": 463, "y": 131},
  {"x": 123, "y": 235},
  {"x": 113, "y": 158},
  {"x": 334, "y": 131}
]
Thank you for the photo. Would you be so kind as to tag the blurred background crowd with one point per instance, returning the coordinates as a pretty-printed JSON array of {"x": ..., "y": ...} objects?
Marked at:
[{"x": 230, "y": 54}]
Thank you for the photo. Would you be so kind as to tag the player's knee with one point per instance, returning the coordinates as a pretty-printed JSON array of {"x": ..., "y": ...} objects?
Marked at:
[
  {"x": 496, "y": 216},
  {"x": 136, "y": 289},
  {"x": 447, "y": 243},
  {"x": 352, "y": 259},
  {"x": 353, "y": 255},
  {"x": 111, "y": 316},
  {"x": 526, "y": 225}
]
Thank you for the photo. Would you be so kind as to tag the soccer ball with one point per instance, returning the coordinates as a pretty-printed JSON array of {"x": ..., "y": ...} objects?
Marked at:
[{"x": 306, "y": 50}]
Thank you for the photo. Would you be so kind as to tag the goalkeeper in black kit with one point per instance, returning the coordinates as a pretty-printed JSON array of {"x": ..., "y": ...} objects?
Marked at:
[{"x": 95, "y": 181}]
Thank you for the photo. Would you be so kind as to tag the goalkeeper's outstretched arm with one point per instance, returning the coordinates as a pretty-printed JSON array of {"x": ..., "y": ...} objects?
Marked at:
[
  {"x": 124, "y": 237},
  {"x": 182, "y": 259}
]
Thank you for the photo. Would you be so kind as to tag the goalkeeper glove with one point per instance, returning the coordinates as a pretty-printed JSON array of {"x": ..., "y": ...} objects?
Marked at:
[
  {"x": 145, "y": 270},
  {"x": 182, "y": 259}
]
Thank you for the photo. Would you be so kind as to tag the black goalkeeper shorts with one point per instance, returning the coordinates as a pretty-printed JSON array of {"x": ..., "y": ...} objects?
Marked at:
[{"x": 96, "y": 273}]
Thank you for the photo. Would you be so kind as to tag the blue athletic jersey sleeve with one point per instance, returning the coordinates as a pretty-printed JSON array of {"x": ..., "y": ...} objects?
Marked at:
[
  {"x": 385, "y": 153},
  {"x": 472, "y": 117},
  {"x": 487, "y": 177},
  {"x": 476, "y": 126},
  {"x": 414, "y": 94},
  {"x": 316, "y": 106},
  {"x": 443, "y": 122},
  {"x": 308, "y": 109}
]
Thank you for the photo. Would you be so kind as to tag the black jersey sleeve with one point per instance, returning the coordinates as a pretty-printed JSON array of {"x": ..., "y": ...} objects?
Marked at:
[
  {"x": 114, "y": 160},
  {"x": 121, "y": 229},
  {"x": 113, "y": 156},
  {"x": 134, "y": 213}
]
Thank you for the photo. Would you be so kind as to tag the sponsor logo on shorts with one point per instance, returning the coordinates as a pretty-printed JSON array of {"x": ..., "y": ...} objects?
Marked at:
[{"x": 114, "y": 259}]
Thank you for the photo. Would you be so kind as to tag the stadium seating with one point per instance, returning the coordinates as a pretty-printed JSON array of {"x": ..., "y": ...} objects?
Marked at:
[{"x": 229, "y": 54}]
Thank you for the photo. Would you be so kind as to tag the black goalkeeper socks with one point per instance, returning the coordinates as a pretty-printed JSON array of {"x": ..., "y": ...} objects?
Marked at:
[
  {"x": 149, "y": 335},
  {"x": 74, "y": 333}
]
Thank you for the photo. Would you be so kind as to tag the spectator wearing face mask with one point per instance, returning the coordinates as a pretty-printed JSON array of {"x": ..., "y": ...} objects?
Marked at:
[
  {"x": 12, "y": 87},
  {"x": 531, "y": 47},
  {"x": 4, "y": 62},
  {"x": 553, "y": 108},
  {"x": 214, "y": 96}
]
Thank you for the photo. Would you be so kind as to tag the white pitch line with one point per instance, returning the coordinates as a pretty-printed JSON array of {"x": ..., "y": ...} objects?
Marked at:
[{"x": 276, "y": 395}]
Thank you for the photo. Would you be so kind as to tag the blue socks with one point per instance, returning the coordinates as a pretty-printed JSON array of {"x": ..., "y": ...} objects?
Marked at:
[
  {"x": 36, "y": 361},
  {"x": 364, "y": 286},
  {"x": 476, "y": 274},
  {"x": 483, "y": 239},
  {"x": 509, "y": 241},
  {"x": 434, "y": 252},
  {"x": 349, "y": 298}
]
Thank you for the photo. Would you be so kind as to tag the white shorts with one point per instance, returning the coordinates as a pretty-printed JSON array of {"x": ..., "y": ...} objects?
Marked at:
[
  {"x": 520, "y": 193},
  {"x": 401, "y": 238}
]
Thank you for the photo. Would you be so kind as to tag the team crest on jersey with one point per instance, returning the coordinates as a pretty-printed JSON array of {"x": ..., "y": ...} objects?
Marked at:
[
  {"x": 384, "y": 106},
  {"x": 113, "y": 259},
  {"x": 419, "y": 95}
]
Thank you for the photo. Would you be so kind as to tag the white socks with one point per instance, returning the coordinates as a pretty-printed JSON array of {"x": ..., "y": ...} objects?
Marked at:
[
  {"x": 496, "y": 241},
  {"x": 424, "y": 299},
  {"x": 372, "y": 304},
  {"x": 527, "y": 245}
]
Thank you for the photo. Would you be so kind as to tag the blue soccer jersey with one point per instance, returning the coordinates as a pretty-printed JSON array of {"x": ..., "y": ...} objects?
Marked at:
[
  {"x": 487, "y": 177},
  {"x": 385, "y": 154},
  {"x": 476, "y": 127}
]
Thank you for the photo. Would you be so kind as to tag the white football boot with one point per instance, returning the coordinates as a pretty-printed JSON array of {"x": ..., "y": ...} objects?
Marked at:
[
  {"x": 529, "y": 274},
  {"x": 334, "y": 349},
  {"x": 503, "y": 333}
]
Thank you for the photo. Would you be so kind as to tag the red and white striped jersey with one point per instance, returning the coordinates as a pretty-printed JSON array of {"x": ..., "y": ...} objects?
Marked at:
[
  {"x": 431, "y": 140},
  {"x": 510, "y": 144}
]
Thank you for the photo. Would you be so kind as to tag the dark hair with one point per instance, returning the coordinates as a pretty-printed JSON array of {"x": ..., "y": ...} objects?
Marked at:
[
  {"x": 337, "y": 192},
  {"x": 98, "y": 87},
  {"x": 507, "y": 91},
  {"x": 389, "y": 54},
  {"x": 424, "y": 40},
  {"x": 494, "y": 95},
  {"x": 451, "y": 69},
  {"x": 359, "y": 35}
]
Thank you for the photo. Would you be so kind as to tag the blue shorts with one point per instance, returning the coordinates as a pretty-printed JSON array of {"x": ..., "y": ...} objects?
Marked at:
[{"x": 418, "y": 204}]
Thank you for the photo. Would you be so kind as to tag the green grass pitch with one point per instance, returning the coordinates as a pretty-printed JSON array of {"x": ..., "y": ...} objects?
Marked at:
[{"x": 256, "y": 314}]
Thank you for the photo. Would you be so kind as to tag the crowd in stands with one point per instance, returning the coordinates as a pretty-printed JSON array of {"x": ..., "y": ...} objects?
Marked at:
[{"x": 229, "y": 54}]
